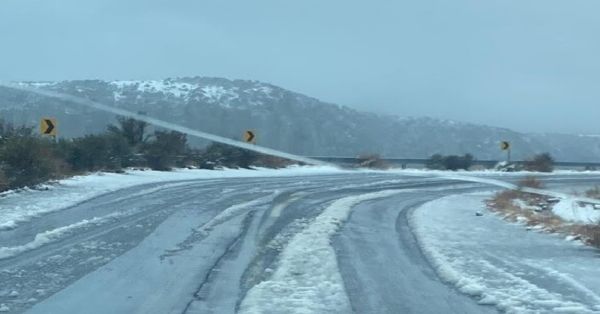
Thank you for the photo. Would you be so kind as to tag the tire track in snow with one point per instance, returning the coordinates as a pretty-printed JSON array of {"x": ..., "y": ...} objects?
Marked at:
[
  {"x": 307, "y": 278},
  {"x": 230, "y": 248}
]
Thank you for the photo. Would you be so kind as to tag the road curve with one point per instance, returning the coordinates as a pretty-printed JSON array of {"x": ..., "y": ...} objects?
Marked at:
[{"x": 202, "y": 246}]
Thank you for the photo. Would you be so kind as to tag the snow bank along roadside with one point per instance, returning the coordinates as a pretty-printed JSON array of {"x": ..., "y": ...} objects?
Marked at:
[
  {"x": 503, "y": 264},
  {"x": 571, "y": 210},
  {"x": 19, "y": 207},
  {"x": 55, "y": 234},
  {"x": 307, "y": 278}
]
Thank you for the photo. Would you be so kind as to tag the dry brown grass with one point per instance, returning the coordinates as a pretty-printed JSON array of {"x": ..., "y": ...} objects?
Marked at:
[
  {"x": 590, "y": 234},
  {"x": 531, "y": 182},
  {"x": 593, "y": 192},
  {"x": 273, "y": 162},
  {"x": 503, "y": 203}
]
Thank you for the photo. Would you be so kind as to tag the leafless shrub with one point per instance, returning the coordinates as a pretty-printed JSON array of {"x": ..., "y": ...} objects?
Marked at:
[
  {"x": 450, "y": 162},
  {"x": 540, "y": 163}
]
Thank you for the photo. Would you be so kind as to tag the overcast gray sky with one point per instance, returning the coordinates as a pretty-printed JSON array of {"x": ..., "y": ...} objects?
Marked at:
[{"x": 530, "y": 65}]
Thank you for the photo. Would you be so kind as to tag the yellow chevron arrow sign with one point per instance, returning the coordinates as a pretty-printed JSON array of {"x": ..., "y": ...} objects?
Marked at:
[
  {"x": 48, "y": 126},
  {"x": 250, "y": 137}
]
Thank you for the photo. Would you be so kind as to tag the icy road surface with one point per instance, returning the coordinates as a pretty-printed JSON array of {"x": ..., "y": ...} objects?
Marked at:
[
  {"x": 290, "y": 242},
  {"x": 504, "y": 264}
]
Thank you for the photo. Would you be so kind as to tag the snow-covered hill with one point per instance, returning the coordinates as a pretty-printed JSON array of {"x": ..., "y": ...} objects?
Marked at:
[{"x": 282, "y": 119}]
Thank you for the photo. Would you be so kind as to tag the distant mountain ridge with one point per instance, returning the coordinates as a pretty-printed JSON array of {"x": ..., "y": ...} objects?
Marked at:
[{"x": 282, "y": 119}]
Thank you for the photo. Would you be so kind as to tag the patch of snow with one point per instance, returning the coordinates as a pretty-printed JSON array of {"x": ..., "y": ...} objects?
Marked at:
[
  {"x": 123, "y": 84},
  {"x": 523, "y": 205},
  {"x": 117, "y": 96},
  {"x": 522, "y": 220},
  {"x": 307, "y": 279},
  {"x": 216, "y": 93},
  {"x": 266, "y": 90},
  {"x": 38, "y": 84},
  {"x": 570, "y": 210},
  {"x": 176, "y": 89},
  {"x": 55, "y": 234},
  {"x": 572, "y": 238},
  {"x": 213, "y": 91}
]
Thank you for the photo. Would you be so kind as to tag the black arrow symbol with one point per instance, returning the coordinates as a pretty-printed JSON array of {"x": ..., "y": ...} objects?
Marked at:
[
  {"x": 49, "y": 126},
  {"x": 249, "y": 136}
]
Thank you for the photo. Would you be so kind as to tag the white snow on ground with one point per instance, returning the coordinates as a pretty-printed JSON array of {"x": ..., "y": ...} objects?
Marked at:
[
  {"x": 235, "y": 210},
  {"x": 55, "y": 234},
  {"x": 522, "y": 204},
  {"x": 183, "y": 90},
  {"x": 18, "y": 207},
  {"x": 215, "y": 92},
  {"x": 503, "y": 264},
  {"x": 177, "y": 89},
  {"x": 570, "y": 210},
  {"x": 38, "y": 84},
  {"x": 307, "y": 278}
]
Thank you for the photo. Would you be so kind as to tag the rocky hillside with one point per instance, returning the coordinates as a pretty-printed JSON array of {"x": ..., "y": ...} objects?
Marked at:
[{"x": 282, "y": 119}]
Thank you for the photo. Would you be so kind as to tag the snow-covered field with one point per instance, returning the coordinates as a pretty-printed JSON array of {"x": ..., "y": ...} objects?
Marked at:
[
  {"x": 570, "y": 210},
  {"x": 503, "y": 264},
  {"x": 20, "y": 206}
]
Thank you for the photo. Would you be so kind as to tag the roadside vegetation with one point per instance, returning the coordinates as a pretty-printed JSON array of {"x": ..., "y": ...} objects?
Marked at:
[
  {"x": 450, "y": 162},
  {"x": 372, "y": 161},
  {"x": 535, "y": 211},
  {"x": 27, "y": 159},
  {"x": 540, "y": 163},
  {"x": 593, "y": 192}
]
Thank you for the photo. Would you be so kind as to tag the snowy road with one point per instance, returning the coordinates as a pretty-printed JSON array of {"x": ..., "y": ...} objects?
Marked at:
[{"x": 330, "y": 243}]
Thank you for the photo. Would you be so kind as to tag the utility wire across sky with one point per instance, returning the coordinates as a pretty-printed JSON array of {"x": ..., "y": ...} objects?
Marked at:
[{"x": 163, "y": 124}]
